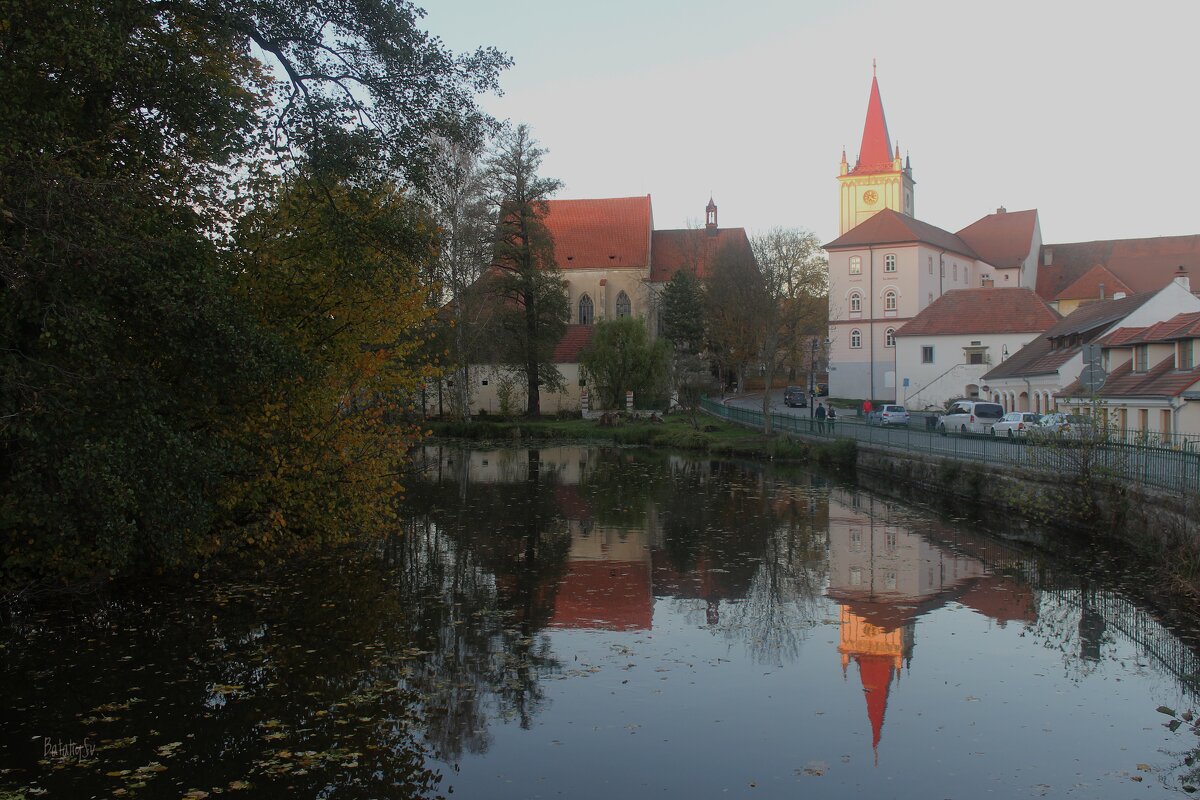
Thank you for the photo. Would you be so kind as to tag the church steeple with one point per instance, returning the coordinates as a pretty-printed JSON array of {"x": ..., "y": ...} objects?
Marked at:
[
  {"x": 880, "y": 178},
  {"x": 710, "y": 214}
]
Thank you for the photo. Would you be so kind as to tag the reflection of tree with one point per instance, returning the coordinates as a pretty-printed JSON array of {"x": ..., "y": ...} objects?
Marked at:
[{"x": 480, "y": 564}]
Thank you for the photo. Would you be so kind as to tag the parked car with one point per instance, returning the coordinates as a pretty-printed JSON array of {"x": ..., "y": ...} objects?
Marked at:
[
  {"x": 888, "y": 415},
  {"x": 795, "y": 397},
  {"x": 1015, "y": 424},
  {"x": 1063, "y": 426},
  {"x": 970, "y": 416}
]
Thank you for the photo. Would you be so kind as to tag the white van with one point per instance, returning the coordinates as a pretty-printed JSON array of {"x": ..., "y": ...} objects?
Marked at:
[{"x": 970, "y": 416}]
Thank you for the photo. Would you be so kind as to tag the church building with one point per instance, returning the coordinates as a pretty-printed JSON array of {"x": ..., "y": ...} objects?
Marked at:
[{"x": 886, "y": 268}]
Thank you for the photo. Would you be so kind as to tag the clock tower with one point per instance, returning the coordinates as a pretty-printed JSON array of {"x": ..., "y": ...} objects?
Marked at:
[{"x": 879, "y": 178}]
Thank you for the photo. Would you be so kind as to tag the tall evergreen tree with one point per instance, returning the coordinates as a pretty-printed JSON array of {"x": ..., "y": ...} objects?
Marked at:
[{"x": 526, "y": 278}]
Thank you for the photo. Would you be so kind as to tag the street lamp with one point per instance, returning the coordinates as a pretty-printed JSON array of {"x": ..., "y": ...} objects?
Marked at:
[{"x": 812, "y": 383}]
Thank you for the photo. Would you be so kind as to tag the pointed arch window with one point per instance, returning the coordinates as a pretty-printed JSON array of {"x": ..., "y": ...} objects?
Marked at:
[
  {"x": 855, "y": 303},
  {"x": 623, "y": 305},
  {"x": 586, "y": 310},
  {"x": 889, "y": 262},
  {"x": 889, "y": 337},
  {"x": 855, "y": 339},
  {"x": 889, "y": 300}
]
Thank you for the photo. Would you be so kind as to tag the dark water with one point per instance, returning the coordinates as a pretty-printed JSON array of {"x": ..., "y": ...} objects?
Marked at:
[{"x": 599, "y": 623}]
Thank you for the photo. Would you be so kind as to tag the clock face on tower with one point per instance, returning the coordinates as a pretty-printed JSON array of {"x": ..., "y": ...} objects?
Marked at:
[{"x": 870, "y": 197}]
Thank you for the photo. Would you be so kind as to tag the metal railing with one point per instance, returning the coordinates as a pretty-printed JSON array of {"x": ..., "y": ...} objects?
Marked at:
[{"x": 1171, "y": 463}]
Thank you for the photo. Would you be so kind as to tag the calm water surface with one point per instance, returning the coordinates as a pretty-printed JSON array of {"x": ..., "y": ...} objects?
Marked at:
[{"x": 599, "y": 623}]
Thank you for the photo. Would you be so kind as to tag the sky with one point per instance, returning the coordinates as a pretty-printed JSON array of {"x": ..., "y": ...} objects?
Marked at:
[{"x": 1087, "y": 112}]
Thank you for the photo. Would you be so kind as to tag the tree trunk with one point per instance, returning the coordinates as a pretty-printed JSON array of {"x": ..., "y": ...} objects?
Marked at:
[{"x": 534, "y": 405}]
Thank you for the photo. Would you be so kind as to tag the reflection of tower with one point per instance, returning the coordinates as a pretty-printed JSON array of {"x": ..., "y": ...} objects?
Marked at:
[
  {"x": 1091, "y": 624},
  {"x": 880, "y": 653}
]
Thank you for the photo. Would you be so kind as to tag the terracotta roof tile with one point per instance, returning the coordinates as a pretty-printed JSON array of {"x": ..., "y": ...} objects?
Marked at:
[
  {"x": 1003, "y": 239},
  {"x": 987, "y": 310},
  {"x": 1087, "y": 286},
  {"x": 572, "y": 343},
  {"x": 692, "y": 249},
  {"x": 1145, "y": 265},
  {"x": 891, "y": 227},
  {"x": 1162, "y": 380},
  {"x": 1037, "y": 357},
  {"x": 600, "y": 234}
]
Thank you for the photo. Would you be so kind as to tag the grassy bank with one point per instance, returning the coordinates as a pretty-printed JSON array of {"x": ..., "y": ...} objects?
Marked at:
[{"x": 715, "y": 437}]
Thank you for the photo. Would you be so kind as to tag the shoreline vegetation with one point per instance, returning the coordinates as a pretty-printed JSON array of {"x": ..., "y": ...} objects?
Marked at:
[{"x": 715, "y": 437}]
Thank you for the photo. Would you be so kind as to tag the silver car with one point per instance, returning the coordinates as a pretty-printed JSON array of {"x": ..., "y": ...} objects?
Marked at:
[
  {"x": 888, "y": 415},
  {"x": 1015, "y": 423}
]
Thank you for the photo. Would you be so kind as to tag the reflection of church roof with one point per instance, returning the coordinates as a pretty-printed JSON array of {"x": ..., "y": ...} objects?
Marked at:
[
  {"x": 571, "y": 503},
  {"x": 605, "y": 595},
  {"x": 891, "y": 612},
  {"x": 876, "y": 673}
]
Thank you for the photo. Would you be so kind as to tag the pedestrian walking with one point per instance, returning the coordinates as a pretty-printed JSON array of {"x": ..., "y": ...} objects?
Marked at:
[
  {"x": 832, "y": 417},
  {"x": 867, "y": 409},
  {"x": 820, "y": 417}
]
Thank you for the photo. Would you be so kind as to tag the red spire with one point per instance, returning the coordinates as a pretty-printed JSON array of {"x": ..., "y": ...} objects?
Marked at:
[{"x": 875, "y": 152}]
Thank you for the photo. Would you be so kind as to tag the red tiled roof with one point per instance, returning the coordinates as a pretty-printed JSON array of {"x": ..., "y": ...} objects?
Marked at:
[
  {"x": 986, "y": 310},
  {"x": 1180, "y": 326},
  {"x": 1162, "y": 380},
  {"x": 875, "y": 152},
  {"x": 892, "y": 227},
  {"x": 600, "y": 234},
  {"x": 692, "y": 249},
  {"x": 1087, "y": 286},
  {"x": 1036, "y": 358},
  {"x": 1144, "y": 265},
  {"x": 1121, "y": 336},
  {"x": 1003, "y": 239},
  {"x": 572, "y": 343}
]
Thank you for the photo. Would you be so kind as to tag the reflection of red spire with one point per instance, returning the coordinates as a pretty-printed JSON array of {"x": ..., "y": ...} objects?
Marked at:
[{"x": 876, "y": 673}]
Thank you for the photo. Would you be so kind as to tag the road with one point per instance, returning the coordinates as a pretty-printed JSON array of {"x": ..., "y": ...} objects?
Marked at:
[{"x": 1160, "y": 468}]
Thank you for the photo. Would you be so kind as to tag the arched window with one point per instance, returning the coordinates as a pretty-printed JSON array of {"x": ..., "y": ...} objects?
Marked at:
[
  {"x": 856, "y": 265},
  {"x": 585, "y": 310},
  {"x": 855, "y": 302},
  {"x": 889, "y": 337},
  {"x": 955, "y": 272},
  {"x": 889, "y": 262},
  {"x": 889, "y": 300},
  {"x": 622, "y": 304},
  {"x": 855, "y": 339}
]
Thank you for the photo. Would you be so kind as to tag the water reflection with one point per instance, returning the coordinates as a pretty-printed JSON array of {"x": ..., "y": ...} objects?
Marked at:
[{"x": 542, "y": 608}]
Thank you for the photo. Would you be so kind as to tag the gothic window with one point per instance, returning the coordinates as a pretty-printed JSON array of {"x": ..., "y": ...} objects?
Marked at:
[
  {"x": 889, "y": 262},
  {"x": 930, "y": 265},
  {"x": 622, "y": 305},
  {"x": 955, "y": 278},
  {"x": 889, "y": 337},
  {"x": 855, "y": 302},
  {"x": 889, "y": 300},
  {"x": 585, "y": 310},
  {"x": 855, "y": 339},
  {"x": 856, "y": 265}
]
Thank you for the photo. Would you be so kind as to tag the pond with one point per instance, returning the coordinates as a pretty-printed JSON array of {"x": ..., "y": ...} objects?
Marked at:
[{"x": 593, "y": 622}]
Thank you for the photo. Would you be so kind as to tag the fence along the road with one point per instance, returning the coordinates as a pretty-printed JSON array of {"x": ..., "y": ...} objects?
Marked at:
[{"x": 1173, "y": 466}]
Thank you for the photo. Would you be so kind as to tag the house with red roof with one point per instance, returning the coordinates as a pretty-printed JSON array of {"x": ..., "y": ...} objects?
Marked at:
[
  {"x": 1034, "y": 377},
  {"x": 886, "y": 267},
  {"x": 1152, "y": 386},
  {"x": 944, "y": 351}
]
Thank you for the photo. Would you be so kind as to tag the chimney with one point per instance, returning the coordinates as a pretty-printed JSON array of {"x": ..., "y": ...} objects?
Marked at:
[
  {"x": 1181, "y": 277},
  {"x": 987, "y": 283},
  {"x": 1101, "y": 290},
  {"x": 1001, "y": 210}
]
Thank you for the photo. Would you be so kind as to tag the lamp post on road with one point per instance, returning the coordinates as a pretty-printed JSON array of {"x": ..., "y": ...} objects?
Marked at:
[{"x": 812, "y": 383}]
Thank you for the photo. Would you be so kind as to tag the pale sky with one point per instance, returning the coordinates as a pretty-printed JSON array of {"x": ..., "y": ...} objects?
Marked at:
[{"x": 1087, "y": 112}]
